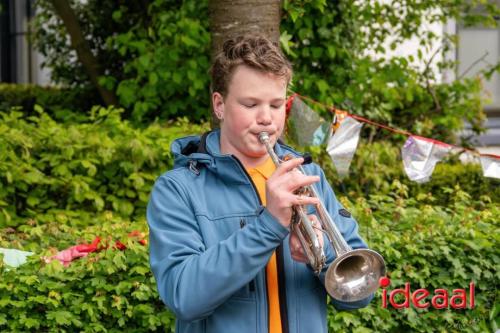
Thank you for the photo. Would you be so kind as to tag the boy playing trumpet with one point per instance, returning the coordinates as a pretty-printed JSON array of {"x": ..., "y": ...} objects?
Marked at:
[{"x": 221, "y": 248}]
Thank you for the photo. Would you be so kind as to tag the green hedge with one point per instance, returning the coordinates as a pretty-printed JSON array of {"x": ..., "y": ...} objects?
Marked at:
[
  {"x": 102, "y": 164},
  {"x": 112, "y": 291},
  {"x": 108, "y": 291},
  {"x": 431, "y": 246},
  {"x": 65, "y": 104}
]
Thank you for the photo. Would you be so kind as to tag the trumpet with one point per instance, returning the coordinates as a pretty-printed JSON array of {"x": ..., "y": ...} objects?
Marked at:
[{"x": 354, "y": 274}]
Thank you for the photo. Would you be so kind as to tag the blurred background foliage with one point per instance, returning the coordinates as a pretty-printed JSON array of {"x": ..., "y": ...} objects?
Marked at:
[{"x": 155, "y": 56}]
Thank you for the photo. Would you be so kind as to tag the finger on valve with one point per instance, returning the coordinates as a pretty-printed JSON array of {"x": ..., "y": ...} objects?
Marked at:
[
  {"x": 317, "y": 228},
  {"x": 315, "y": 221},
  {"x": 296, "y": 250},
  {"x": 295, "y": 244}
]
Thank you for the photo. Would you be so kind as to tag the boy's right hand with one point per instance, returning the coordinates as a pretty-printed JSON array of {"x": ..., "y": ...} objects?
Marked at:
[{"x": 280, "y": 188}]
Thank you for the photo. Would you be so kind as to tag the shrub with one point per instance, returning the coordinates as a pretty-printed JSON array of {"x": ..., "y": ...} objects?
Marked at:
[
  {"x": 431, "y": 246},
  {"x": 155, "y": 55},
  {"x": 102, "y": 164},
  {"x": 108, "y": 291},
  {"x": 64, "y": 104}
]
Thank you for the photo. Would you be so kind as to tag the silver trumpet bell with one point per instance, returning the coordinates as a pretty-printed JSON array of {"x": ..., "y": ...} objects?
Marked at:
[{"x": 354, "y": 274}]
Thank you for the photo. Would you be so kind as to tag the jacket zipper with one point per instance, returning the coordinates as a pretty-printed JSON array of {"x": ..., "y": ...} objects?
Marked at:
[
  {"x": 252, "y": 283},
  {"x": 280, "y": 264},
  {"x": 249, "y": 178},
  {"x": 282, "y": 289}
]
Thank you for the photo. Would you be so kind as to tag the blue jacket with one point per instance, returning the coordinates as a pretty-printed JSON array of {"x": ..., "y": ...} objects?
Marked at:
[{"x": 211, "y": 238}]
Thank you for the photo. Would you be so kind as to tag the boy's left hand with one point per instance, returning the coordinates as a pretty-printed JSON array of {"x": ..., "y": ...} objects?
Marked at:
[{"x": 296, "y": 249}]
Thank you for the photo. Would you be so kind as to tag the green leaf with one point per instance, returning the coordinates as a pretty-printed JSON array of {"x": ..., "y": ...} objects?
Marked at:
[
  {"x": 33, "y": 201},
  {"x": 61, "y": 317},
  {"x": 37, "y": 108}
]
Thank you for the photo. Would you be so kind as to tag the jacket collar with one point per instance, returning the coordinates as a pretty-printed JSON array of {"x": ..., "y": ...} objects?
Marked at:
[{"x": 204, "y": 151}]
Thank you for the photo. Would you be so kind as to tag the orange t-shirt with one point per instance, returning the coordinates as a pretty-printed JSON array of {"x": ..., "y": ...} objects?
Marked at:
[{"x": 259, "y": 176}]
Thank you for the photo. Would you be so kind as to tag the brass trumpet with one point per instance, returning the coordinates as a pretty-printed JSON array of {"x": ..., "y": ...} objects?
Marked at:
[{"x": 354, "y": 274}]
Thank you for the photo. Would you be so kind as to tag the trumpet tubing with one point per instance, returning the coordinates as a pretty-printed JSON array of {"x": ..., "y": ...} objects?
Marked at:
[{"x": 354, "y": 274}]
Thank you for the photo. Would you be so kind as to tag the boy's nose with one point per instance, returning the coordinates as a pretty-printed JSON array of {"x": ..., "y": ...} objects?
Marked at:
[{"x": 264, "y": 116}]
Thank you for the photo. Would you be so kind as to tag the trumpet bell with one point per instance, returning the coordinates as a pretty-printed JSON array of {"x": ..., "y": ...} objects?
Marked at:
[{"x": 354, "y": 275}]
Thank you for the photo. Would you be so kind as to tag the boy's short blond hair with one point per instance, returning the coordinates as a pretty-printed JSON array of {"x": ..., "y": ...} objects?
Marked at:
[{"x": 254, "y": 51}]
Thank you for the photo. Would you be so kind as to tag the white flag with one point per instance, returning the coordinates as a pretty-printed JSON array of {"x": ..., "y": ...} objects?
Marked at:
[
  {"x": 342, "y": 145},
  {"x": 491, "y": 166},
  {"x": 420, "y": 156}
]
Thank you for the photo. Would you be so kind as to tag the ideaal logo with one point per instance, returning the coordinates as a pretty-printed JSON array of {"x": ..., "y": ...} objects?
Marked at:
[{"x": 439, "y": 300}]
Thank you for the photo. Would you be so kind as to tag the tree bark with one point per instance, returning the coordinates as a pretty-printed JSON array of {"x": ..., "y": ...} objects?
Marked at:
[
  {"x": 82, "y": 48},
  {"x": 230, "y": 18}
]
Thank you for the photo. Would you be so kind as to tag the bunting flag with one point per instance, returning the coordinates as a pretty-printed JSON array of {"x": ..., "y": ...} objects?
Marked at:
[
  {"x": 305, "y": 126},
  {"x": 490, "y": 165},
  {"x": 68, "y": 255},
  {"x": 342, "y": 145},
  {"x": 13, "y": 257},
  {"x": 338, "y": 118},
  {"x": 420, "y": 156},
  {"x": 322, "y": 133}
]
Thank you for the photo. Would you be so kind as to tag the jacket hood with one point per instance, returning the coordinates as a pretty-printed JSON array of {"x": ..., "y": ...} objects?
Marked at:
[{"x": 204, "y": 151}]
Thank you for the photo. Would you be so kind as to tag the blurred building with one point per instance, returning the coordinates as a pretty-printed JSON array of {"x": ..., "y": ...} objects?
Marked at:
[
  {"x": 479, "y": 47},
  {"x": 19, "y": 62}
]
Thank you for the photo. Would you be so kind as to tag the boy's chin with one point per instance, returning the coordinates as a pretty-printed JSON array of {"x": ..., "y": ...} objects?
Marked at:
[{"x": 256, "y": 153}]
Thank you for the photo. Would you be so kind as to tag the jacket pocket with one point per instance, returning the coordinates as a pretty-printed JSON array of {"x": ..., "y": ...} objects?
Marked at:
[
  {"x": 218, "y": 229},
  {"x": 244, "y": 292}
]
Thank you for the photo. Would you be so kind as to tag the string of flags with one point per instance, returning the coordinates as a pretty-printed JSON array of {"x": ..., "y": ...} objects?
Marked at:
[{"x": 420, "y": 154}]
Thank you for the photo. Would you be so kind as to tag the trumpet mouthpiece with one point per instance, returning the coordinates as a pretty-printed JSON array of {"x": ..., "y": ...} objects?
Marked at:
[{"x": 263, "y": 137}]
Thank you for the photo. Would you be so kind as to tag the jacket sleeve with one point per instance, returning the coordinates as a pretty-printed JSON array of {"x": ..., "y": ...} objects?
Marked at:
[
  {"x": 348, "y": 227},
  {"x": 193, "y": 280}
]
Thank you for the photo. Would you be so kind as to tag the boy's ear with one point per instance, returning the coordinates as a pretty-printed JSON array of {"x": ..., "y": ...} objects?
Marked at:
[{"x": 218, "y": 105}]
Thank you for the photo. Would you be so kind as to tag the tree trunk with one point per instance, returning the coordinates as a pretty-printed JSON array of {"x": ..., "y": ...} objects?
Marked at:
[
  {"x": 230, "y": 18},
  {"x": 82, "y": 48}
]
